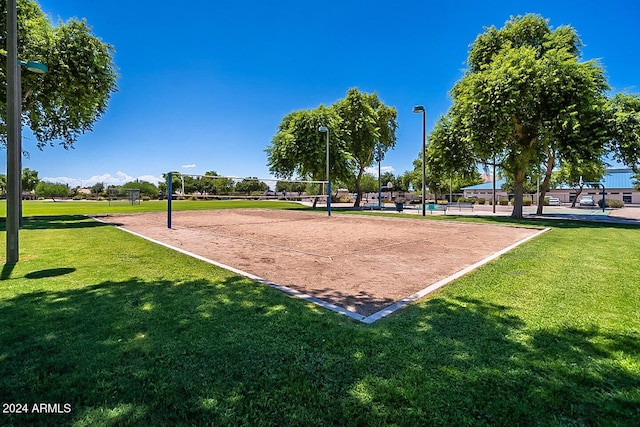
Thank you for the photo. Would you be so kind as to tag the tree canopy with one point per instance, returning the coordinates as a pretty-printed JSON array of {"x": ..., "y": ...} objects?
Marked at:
[
  {"x": 147, "y": 189},
  {"x": 29, "y": 179},
  {"x": 356, "y": 124},
  {"x": 576, "y": 173},
  {"x": 65, "y": 102},
  {"x": 299, "y": 150},
  {"x": 526, "y": 98},
  {"x": 368, "y": 126},
  {"x": 625, "y": 128},
  {"x": 51, "y": 190}
]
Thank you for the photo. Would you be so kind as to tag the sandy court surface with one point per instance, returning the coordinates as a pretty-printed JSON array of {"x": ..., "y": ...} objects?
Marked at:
[{"x": 360, "y": 263}]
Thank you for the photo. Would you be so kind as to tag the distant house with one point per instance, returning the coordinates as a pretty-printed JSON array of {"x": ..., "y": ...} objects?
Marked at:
[{"x": 618, "y": 183}]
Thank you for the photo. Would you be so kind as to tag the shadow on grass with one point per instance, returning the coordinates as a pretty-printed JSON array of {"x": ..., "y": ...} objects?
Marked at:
[
  {"x": 50, "y": 272},
  {"x": 56, "y": 222},
  {"x": 231, "y": 352},
  {"x": 7, "y": 269}
]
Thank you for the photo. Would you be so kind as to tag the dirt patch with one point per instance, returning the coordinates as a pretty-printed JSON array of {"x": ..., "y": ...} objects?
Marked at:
[{"x": 360, "y": 263}]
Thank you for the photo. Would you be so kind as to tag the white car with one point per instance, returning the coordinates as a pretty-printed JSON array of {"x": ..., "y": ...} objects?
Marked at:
[
  {"x": 553, "y": 201},
  {"x": 587, "y": 201}
]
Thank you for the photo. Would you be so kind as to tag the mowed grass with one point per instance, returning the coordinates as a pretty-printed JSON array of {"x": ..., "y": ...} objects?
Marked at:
[
  {"x": 130, "y": 333},
  {"x": 91, "y": 207}
]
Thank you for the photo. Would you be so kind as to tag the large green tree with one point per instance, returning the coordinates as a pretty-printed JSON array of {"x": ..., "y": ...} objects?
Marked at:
[
  {"x": 66, "y": 101},
  {"x": 146, "y": 188},
  {"x": 210, "y": 185},
  {"x": 528, "y": 99},
  {"x": 624, "y": 123},
  {"x": 356, "y": 124},
  {"x": 299, "y": 150},
  {"x": 367, "y": 125},
  {"x": 51, "y": 190},
  {"x": 29, "y": 179},
  {"x": 449, "y": 162},
  {"x": 251, "y": 186}
]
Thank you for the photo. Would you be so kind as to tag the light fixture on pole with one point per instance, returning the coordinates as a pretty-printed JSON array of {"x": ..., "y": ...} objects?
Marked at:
[
  {"x": 14, "y": 143},
  {"x": 421, "y": 109},
  {"x": 326, "y": 130}
]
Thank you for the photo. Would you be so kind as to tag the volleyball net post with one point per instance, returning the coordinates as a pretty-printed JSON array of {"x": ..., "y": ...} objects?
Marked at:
[
  {"x": 215, "y": 187},
  {"x": 169, "y": 197}
]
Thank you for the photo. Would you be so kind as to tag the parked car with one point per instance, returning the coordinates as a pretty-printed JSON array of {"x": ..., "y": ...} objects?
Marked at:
[
  {"x": 553, "y": 201},
  {"x": 587, "y": 201}
]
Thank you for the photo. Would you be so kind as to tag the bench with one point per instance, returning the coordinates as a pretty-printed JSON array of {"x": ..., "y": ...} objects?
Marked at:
[
  {"x": 433, "y": 207},
  {"x": 464, "y": 205},
  {"x": 372, "y": 205}
]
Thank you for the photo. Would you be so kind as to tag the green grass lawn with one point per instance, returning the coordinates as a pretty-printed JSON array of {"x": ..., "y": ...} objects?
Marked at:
[
  {"x": 91, "y": 207},
  {"x": 129, "y": 333}
]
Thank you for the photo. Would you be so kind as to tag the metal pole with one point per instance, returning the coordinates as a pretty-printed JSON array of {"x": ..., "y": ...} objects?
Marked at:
[
  {"x": 169, "y": 197},
  {"x": 424, "y": 143},
  {"x": 379, "y": 187},
  {"x": 13, "y": 135},
  {"x": 494, "y": 185},
  {"x": 328, "y": 182}
]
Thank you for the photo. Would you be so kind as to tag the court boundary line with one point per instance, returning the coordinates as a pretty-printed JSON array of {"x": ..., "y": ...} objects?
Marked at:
[{"x": 327, "y": 305}]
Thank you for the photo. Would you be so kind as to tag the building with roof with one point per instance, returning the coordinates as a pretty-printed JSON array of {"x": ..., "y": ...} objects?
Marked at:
[
  {"x": 618, "y": 184},
  {"x": 485, "y": 190}
]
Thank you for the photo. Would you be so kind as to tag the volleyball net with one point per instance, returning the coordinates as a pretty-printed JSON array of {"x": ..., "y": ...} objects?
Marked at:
[{"x": 182, "y": 186}]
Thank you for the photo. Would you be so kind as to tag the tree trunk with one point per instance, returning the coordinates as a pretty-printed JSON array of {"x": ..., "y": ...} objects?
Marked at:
[
  {"x": 545, "y": 184},
  {"x": 518, "y": 191},
  {"x": 358, "y": 194},
  {"x": 578, "y": 192},
  {"x": 358, "y": 183},
  {"x": 315, "y": 199}
]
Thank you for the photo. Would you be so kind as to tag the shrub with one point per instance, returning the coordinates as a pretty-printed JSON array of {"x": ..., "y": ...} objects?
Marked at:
[
  {"x": 467, "y": 199},
  {"x": 526, "y": 201},
  {"x": 611, "y": 203},
  {"x": 503, "y": 202},
  {"x": 481, "y": 201}
]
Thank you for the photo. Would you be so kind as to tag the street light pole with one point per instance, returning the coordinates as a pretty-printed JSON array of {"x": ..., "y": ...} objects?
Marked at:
[
  {"x": 13, "y": 134},
  {"x": 421, "y": 109},
  {"x": 326, "y": 130},
  {"x": 14, "y": 139},
  {"x": 379, "y": 155}
]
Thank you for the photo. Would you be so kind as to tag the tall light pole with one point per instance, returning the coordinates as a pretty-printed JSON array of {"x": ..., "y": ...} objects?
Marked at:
[
  {"x": 421, "y": 109},
  {"x": 13, "y": 134},
  {"x": 379, "y": 155},
  {"x": 326, "y": 130},
  {"x": 14, "y": 142}
]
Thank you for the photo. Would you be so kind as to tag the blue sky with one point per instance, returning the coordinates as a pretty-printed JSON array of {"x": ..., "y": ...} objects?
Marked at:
[{"x": 204, "y": 84}]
